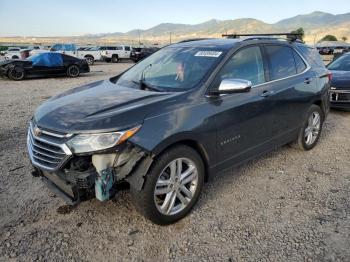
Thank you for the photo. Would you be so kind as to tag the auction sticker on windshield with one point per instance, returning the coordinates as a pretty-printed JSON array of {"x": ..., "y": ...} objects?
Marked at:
[{"x": 208, "y": 53}]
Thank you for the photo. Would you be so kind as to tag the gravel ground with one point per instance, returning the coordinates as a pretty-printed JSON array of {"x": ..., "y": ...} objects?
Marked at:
[{"x": 285, "y": 206}]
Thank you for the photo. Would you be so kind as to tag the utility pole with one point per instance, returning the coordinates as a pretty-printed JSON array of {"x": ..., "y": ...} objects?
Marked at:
[{"x": 139, "y": 37}]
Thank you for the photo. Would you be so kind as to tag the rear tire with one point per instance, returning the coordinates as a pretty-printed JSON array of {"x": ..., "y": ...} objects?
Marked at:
[
  {"x": 115, "y": 59},
  {"x": 90, "y": 60},
  {"x": 310, "y": 130},
  {"x": 172, "y": 186},
  {"x": 16, "y": 73},
  {"x": 73, "y": 71}
]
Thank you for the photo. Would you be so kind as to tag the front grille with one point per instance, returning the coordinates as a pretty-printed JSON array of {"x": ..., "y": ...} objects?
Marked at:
[
  {"x": 47, "y": 150},
  {"x": 340, "y": 96}
]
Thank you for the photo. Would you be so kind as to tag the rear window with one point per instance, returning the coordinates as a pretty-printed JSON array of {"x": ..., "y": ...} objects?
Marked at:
[
  {"x": 281, "y": 60},
  {"x": 311, "y": 55},
  {"x": 340, "y": 64}
]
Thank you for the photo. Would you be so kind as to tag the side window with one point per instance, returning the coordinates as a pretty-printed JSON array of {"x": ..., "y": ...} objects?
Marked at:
[
  {"x": 112, "y": 48},
  {"x": 127, "y": 48},
  {"x": 57, "y": 47},
  {"x": 300, "y": 64},
  {"x": 282, "y": 62},
  {"x": 246, "y": 64},
  {"x": 119, "y": 48}
]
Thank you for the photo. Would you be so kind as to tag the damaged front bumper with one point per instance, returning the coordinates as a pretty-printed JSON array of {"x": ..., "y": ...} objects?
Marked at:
[{"x": 77, "y": 178}]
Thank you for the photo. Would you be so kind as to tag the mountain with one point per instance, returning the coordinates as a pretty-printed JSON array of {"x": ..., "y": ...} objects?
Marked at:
[
  {"x": 316, "y": 25},
  {"x": 313, "y": 21}
]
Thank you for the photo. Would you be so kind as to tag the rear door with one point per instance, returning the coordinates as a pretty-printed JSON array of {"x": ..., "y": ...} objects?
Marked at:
[{"x": 290, "y": 82}]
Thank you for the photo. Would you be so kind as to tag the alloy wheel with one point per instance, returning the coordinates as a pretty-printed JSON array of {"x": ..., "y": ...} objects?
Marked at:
[
  {"x": 313, "y": 128},
  {"x": 73, "y": 71},
  {"x": 176, "y": 186}
]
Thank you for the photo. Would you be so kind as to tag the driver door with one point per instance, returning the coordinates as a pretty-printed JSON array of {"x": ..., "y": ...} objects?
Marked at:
[{"x": 242, "y": 119}]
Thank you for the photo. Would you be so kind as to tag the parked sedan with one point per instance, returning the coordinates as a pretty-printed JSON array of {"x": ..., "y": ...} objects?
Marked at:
[
  {"x": 340, "y": 84},
  {"x": 44, "y": 64}
]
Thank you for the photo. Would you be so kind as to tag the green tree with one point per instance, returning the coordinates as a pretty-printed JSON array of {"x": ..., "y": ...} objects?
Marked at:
[
  {"x": 329, "y": 38},
  {"x": 344, "y": 38},
  {"x": 300, "y": 31}
]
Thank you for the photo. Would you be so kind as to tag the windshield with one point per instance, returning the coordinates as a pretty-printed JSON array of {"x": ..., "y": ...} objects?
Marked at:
[
  {"x": 33, "y": 57},
  {"x": 341, "y": 64},
  {"x": 173, "y": 68}
]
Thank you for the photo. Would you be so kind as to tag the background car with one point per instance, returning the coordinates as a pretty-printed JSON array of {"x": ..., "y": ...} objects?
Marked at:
[
  {"x": 116, "y": 53},
  {"x": 340, "y": 83},
  {"x": 137, "y": 54},
  {"x": 44, "y": 64},
  {"x": 16, "y": 53}
]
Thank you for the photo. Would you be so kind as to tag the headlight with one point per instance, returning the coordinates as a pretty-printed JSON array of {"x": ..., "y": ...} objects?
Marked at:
[{"x": 86, "y": 143}]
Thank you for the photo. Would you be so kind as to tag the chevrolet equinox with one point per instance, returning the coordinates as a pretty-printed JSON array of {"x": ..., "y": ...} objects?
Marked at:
[{"x": 168, "y": 123}]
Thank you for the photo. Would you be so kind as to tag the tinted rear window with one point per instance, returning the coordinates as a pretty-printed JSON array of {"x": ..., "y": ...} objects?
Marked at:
[
  {"x": 311, "y": 55},
  {"x": 282, "y": 62}
]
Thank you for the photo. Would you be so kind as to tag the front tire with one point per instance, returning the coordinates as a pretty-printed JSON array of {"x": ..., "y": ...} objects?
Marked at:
[
  {"x": 16, "y": 73},
  {"x": 310, "y": 131},
  {"x": 172, "y": 186},
  {"x": 73, "y": 71}
]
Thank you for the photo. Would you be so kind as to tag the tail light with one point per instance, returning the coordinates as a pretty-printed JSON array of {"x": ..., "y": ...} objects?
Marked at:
[{"x": 330, "y": 76}]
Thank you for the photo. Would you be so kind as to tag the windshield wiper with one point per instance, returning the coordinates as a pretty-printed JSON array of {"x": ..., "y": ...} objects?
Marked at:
[{"x": 144, "y": 86}]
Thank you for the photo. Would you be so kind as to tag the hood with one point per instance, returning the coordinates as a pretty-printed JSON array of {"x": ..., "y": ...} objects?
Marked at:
[
  {"x": 5, "y": 62},
  {"x": 98, "y": 107},
  {"x": 341, "y": 79},
  {"x": 14, "y": 61}
]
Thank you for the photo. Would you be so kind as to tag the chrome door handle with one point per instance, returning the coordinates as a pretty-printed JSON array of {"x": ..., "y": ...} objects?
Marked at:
[
  {"x": 266, "y": 93},
  {"x": 307, "y": 81}
]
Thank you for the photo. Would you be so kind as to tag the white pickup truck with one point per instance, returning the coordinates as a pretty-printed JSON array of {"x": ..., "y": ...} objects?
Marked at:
[
  {"x": 13, "y": 53},
  {"x": 91, "y": 54},
  {"x": 116, "y": 53}
]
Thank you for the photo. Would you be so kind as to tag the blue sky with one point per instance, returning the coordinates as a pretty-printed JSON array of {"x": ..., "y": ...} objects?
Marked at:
[{"x": 77, "y": 17}]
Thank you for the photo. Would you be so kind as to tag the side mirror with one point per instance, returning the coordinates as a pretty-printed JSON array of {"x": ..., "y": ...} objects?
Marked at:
[{"x": 228, "y": 86}]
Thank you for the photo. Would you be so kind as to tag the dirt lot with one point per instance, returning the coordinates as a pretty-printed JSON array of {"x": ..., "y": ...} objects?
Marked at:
[{"x": 285, "y": 206}]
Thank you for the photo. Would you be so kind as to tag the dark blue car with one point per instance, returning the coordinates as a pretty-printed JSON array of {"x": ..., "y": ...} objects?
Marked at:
[
  {"x": 340, "y": 84},
  {"x": 43, "y": 65},
  {"x": 177, "y": 117}
]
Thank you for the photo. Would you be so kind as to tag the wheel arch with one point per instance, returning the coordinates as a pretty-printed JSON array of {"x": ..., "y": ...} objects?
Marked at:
[
  {"x": 192, "y": 143},
  {"x": 88, "y": 55}
]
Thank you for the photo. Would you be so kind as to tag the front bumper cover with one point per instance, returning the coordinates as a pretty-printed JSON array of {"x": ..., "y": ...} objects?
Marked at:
[{"x": 340, "y": 98}]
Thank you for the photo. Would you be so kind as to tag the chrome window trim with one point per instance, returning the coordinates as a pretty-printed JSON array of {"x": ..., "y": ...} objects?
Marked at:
[{"x": 308, "y": 67}]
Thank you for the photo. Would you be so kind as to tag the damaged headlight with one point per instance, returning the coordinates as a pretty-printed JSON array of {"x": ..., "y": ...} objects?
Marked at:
[{"x": 86, "y": 143}]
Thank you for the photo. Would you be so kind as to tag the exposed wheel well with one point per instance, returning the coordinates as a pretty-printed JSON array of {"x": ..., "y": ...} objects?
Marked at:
[
  {"x": 199, "y": 149},
  {"x": 88, "y": 56},
  {"x": 320, "y": 104}
]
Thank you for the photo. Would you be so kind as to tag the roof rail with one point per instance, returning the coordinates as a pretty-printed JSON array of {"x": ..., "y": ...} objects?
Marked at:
[
  {"x": 193, "y": 39},
  {"x": 294, "y": 37}
]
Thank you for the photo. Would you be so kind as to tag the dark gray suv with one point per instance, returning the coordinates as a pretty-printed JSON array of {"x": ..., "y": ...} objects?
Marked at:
[{"x": 171, "y": 121}]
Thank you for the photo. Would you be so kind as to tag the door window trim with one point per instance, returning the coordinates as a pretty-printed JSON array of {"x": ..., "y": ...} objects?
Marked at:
[
  {"x": 308, "y": 67},
  {"x": 232, "y": 55},
  {"x": 266, "y": 67}
]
